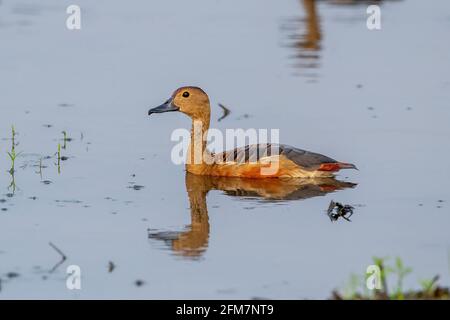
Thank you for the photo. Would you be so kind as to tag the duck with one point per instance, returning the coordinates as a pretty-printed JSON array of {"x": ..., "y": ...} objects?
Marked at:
[{"x": 264, "y": 160}]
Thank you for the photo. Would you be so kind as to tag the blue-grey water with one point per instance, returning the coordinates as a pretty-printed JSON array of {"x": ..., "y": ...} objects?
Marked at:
[{"x": 379, "y": 99}]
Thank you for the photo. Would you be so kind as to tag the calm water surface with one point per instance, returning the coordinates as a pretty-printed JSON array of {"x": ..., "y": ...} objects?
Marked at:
[{"x": 120, "y": 209}]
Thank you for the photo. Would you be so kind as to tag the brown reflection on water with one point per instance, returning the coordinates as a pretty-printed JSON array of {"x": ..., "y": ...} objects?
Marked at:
[
  {"x": 306, "y": 34},
  {"x": 193, "y": 242},
  {"x": 311, "y": 39}
]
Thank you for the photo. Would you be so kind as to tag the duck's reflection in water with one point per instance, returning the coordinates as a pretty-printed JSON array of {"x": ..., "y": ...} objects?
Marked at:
[
  {"x": 307, "y": 41},
  {"x": 306, "y": 35},
  {"x": 193, "y": 242}
]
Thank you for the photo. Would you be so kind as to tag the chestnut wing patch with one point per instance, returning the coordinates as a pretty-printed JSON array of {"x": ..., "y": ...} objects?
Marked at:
[{"x": 255, "y": 152}]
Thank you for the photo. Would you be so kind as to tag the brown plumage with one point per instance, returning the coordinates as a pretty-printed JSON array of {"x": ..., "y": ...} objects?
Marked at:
[{"x": 252, "y": 161}]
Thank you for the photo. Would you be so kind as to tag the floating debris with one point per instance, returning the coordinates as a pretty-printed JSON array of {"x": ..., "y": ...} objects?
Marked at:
[
  {"x": 111, "y": 266},
  {"x": 225, "y": 114},
  {"x": 12, "y": 275},
  {"x": 244, "y": 116},
  {"x": 337, "y": 210},
  {"x": 69, "y": 201},
  {"x": 139, "y": 283},
  {"x": 136, "y": 187},
  {"x": 66, "y": 138},
  {"x": 63, "y": 257},
  {"x": 65, "y": 105}
]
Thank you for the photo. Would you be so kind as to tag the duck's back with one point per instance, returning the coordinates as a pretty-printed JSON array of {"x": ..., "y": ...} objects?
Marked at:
[{"x": 254, "y": 161}]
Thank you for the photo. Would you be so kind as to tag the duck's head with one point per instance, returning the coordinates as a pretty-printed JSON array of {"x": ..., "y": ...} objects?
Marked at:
[{"x": 192, "y": 101}]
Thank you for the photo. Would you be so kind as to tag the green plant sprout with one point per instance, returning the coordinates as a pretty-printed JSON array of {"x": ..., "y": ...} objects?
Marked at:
[
  {"x": 429, "y": 285},
  {"x": 13, "y": 155},
  {"x": 351, "y": 289},
  {"x": 430, "y": 288},
  {"x": 13, "y": 137},
  {"x": 401, "y": 271},
  {"x": 384, "y": 271}
]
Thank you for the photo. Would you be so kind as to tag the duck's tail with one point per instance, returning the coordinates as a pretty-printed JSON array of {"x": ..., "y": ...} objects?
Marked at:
[{"x": 336, "y": 166}]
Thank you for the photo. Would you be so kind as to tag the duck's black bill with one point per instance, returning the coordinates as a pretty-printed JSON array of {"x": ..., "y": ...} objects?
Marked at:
[{"x": 167, "y": 106}]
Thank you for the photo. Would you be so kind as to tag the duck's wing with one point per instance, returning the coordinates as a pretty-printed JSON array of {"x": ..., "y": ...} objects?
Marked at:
[
  {"x": 304, "y": 159},
  {"x": 313, "y": 161},
  {"x": 248, "y": 154}
]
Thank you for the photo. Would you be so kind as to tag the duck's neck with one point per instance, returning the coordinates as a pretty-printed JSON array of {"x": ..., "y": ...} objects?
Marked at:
[
  {"x": 197, "y": 148},
  {"x": 194, "y": 241}
]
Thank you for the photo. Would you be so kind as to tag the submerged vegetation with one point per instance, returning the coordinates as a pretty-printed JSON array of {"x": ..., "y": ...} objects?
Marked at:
[
  {"x": 13, "y": 156},
  {"x": 358, "y": 286}
]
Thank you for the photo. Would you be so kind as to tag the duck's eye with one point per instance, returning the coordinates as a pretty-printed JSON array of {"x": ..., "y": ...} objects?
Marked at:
[{"x": 185, "y": 94}]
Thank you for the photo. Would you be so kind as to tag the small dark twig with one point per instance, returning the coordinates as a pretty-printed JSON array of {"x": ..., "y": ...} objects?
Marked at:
[
  {"x": 58, "y": 250},
  {"x": 226, "y": 112},
  {"x": 111, "y": 266},
  {"x": 63, "y": 257}
]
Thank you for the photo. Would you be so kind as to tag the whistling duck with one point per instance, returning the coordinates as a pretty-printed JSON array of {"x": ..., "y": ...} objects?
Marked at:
[{"x": 251, "y": 161}]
